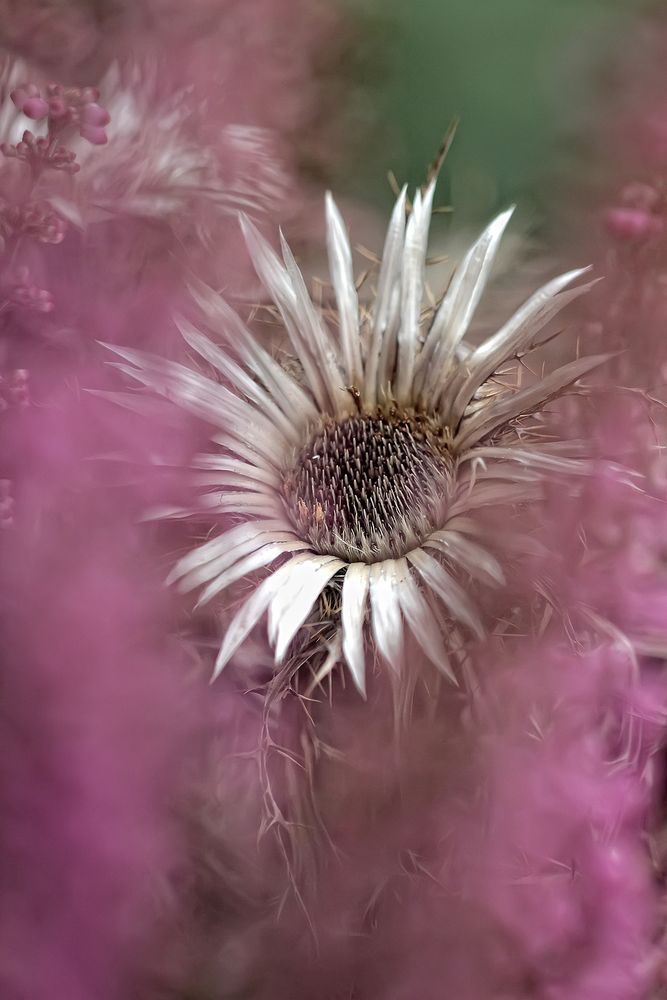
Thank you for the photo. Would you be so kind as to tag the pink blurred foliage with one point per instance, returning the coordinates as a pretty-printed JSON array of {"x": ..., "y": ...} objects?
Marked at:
[
  {"x": 107, "y": 719},
  {"x": 494, "y": 849},
  {"x": 623, "y": 575},
  {"x": 214, "y": 109},
  {"x": 627, "y": 315},
  {"x": 98, "y": 713}
]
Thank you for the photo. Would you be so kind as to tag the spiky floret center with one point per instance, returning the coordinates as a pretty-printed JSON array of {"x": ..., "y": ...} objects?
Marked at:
[{"x": 368, "y": 488}]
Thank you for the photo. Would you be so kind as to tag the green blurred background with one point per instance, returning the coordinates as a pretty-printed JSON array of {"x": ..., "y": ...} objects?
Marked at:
[{"x": 528, "y": 79}]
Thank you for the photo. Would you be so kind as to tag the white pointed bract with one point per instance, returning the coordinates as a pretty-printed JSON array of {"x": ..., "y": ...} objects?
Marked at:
[{"x": 359, "y": 476}]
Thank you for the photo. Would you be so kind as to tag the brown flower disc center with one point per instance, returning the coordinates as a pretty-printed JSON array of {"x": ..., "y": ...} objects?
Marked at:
[{"x": 370, "y": 488}]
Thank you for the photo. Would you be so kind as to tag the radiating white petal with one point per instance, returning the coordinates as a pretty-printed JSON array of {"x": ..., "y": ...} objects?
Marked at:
[
  {"x": 287, "y": 393},
  {"x": 389, "y": 349},
  {"x": 353, "y": 613},
  {"x": 248, "y": 616},
  {"x": 477, "y": 471},
  {"x": 214, "y": 567},
  {"x": 140, "y": 359},
  {"x": 247, "y": 448},
  {"x": 511, "y": 336},
  {"x": 226, "y": 463},
  {"x": 514, "y": 403},
  {"x": 318, "y": 337},
  {"x": 385, "y": 578},
  {"x": 342, "y": 279},
  {"x": 212, "y": 504},
  {"x": 281, "y": 601},
  {"x": 516, "y": 336},
  {"x": 233, "y": 479},
  {"x": 213, "y": 570},
  {"x": 443, "y": 583},
  {"x": 267, "y": 553},
  {"x": 139, "y": 402},
  {"x": 385, "y": 311},
  {"x": 199, "y": 394},
  {"x": 493, "y": 494},
  {"x": 464, "y": 525},
  {"x": 292, "y": 605},
  {"x": 168, "y": 512},
  {"x": 474, "y": 559},
  {"x": 531, "y": 458},
  {"x": 412, "y": 291},
  {"x": 228, "y": 542},
  {"x": 204, "y": 398},
  {"x": 240, "y": 379},
  {"x": 276, "y": 280},
  {"x": 243, "y": 503},
  {"x": 421, "y": 622},
  {"x": 456, "y": 311}
]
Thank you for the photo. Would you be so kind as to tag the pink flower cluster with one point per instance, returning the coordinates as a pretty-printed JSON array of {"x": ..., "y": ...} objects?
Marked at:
[
  {"x": 14, "y": 394},
  {"x": 639, "y": 215},
  {"x": 34, "y": 218},
  {"x": 40, "y": 153},
  {"x": 6, "y": 504},
  {"x": 64, "y": 107},
  {"x": 14, "y": 389},
  {"x": 20, "y": 290}
]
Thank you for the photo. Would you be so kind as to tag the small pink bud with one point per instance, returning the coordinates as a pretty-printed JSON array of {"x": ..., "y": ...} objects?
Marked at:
[
  {"x": 19, "y": 96},
  {"x": 18, "y": 393},
  {"x": 633, "y": 225},
  {"x": 6, "y": 504},
  {"x": 95, "y": 135},
  {"x": 57, "y": 108},
  {"x": 35, "y": 108},
  {"x": 94, "y": 114},
  {"x": 89, "y": 94},
  {"x": 22, "y": 94}
]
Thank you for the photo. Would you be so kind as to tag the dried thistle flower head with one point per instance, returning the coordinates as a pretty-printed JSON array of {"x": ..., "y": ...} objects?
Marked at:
[{"x": 361, "y": 473}]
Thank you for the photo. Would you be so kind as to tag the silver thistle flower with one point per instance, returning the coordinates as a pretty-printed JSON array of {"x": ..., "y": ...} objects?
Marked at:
[{"x": 362, "y": 472}]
